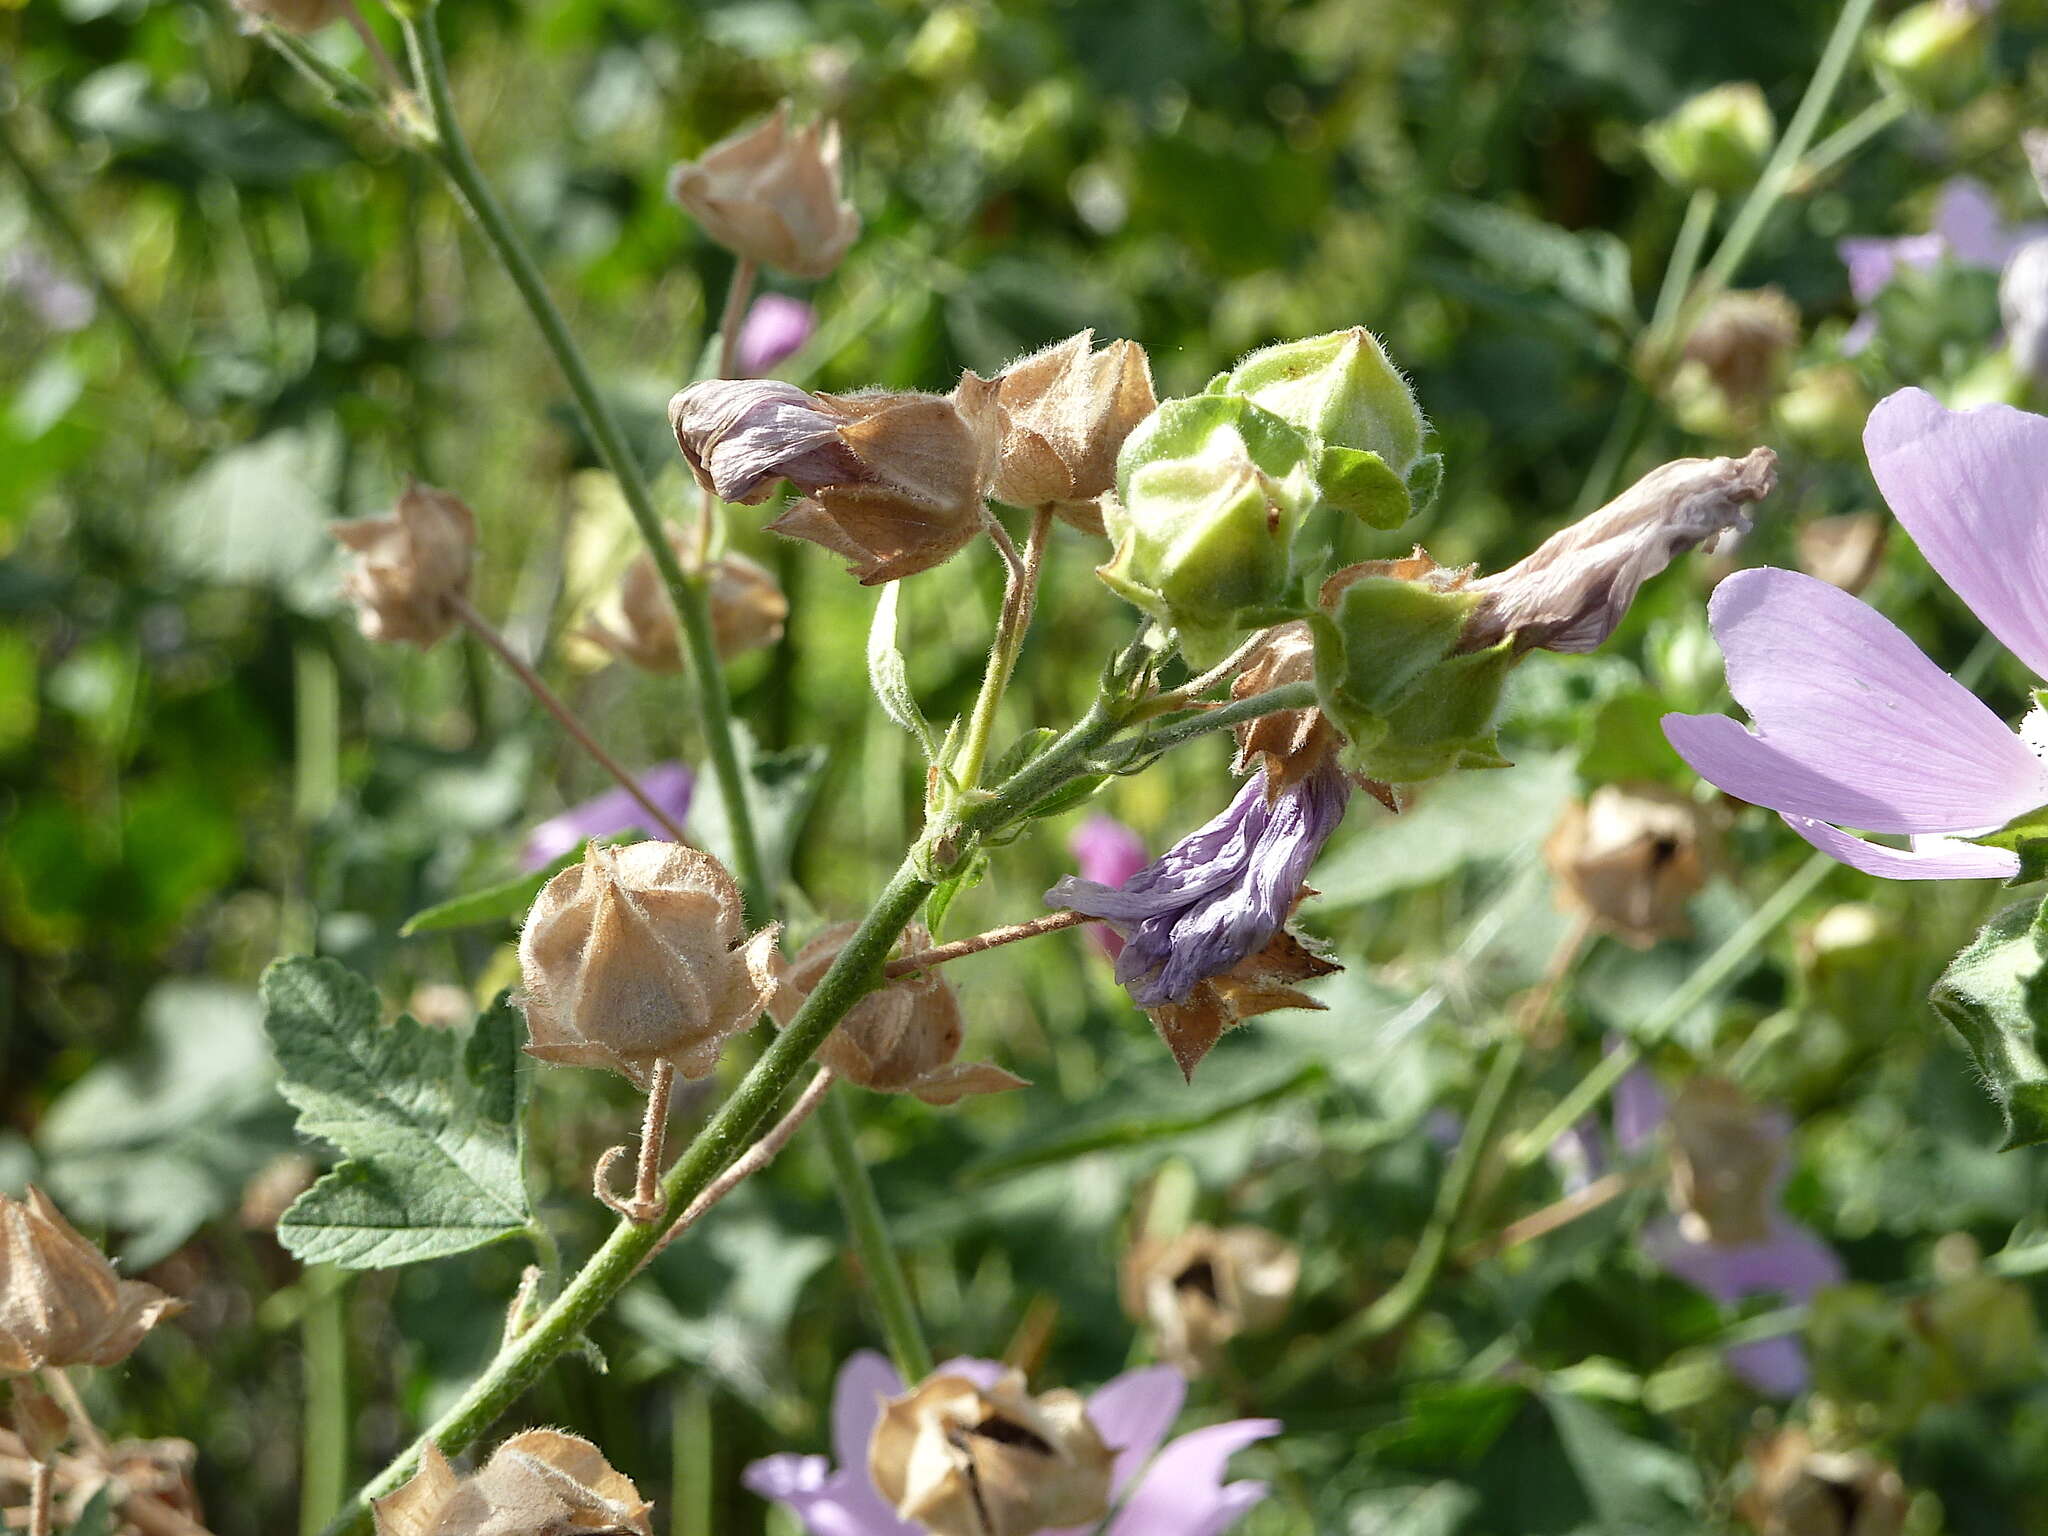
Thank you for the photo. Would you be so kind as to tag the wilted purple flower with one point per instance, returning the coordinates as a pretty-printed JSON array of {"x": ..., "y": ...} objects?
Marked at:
[
  {"x": 1182, "y": 1493},
  {"x": 741, "y": 436},
  {"x": 1967, "y": 229},
  {"x": 59, "y": 302},
  {"x": 775, "y": 327},
  {"x": 1853, "y": 726},
  {"x": 1792, "y": 1262},
  {"x": 1109, "y": 853},
  {"x": 1218, "y": 895},
  {"x": 668, "y": 785}
]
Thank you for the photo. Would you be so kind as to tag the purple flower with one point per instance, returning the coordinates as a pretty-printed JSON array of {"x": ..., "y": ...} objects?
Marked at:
[
  {"x": 1854, "y": 727},
  {"x": 1967, "y": 229},
  {"x": 775, "y": 327},
  {"x": 1182, "y": 1493},
  {"x": 1109, "y": 853},
  {"x": 1790, "y": 1262},
  {"x": 668, "y": 785},
  {"x": 1221, "y": 893}
]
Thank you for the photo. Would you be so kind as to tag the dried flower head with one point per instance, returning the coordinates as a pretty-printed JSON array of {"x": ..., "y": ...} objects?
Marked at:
[
  {"x": 1741, "y": 344},
  {"x": 1725, "y": 1157},
  {"x": 60, "y": 1301},
  {"x": 1844, "y": 551},
  {"x": 1068, "y": 410},
  {"x": 964, "y": 1461},
  {"x": 747, "y": 611},
  {"x": 1262, "y": 982},
  {"x": 409, "y": 565},
  {"x": 772, "y": 194},
  {"x": 743, "y": 437},
  {"x": 1571, "y": 593},
  {"x": 900, "y": 1039},
  {"x": 1203, "y": 1288},
  {"x": 638, "y": 955},
  {"x": 1630, "y": 856},
  {"x": 538, "y": 1483},
  {"x": 1798, "y": 1490},
  {"x": 300, "y": 16}
]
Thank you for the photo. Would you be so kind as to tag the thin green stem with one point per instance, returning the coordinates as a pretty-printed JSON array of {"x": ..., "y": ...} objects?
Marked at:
[
  {"x": 692, "y": 1462},
  {"x": 1020, "y": 596},
  {"x": 891, "y": 1292},
  {"x": 323, "y": 1330},
  {"x": 1847, "y": 139},
  {"x": 1176, "y": 729},
  {"x": 50, "y": 209},
  {"x": 1710, "y": 973},
  {"x": 687, "y": 592}
]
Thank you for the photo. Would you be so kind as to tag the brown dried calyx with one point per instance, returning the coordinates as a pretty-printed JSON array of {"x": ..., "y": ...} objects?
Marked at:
[
  {"x": 894, "y": 482},
  {"x": 1630, "y": 856},
  {"x": 747, "y": 611},
  {"x": 1290, "y": 744},
  {"x": 60, "y": 1301},
  {"x": 962, "y": 1461},
  {"x": 538, "y": 1483},
  {"x": 410, "y": 565},
  {"x": 1259, "y": 983},
  {"x": 1725, "y": 1154},
  {"x": 1575, "y": 588},
  {"x": 1797, "y": 1489},
  {"x": 639, "y": 956},
  {"x": 1203, "y": 1288},
  {"x": 901, "y": 1039},
  {"x": 772, "y": 194},
  {"x": 1067, "y": 411},
  {"x": 1741, "y": 343}
]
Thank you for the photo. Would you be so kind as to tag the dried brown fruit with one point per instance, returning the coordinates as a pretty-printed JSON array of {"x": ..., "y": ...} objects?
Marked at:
[
  {"x": 1797, "y": 1489},
  {"x": 772, "y": 194},
  {"x": 60, "y": 1301},
  {"x": 1068, "y": 410},
  {"x": 1845, "y": 551},
  {"x": 1725, "y": 1156},
  {"x": 900, "y": 1039},
  {"x": 1630, "y": 856},
  {"x": 1203, "y": 1288},
  {"x": 410, "y": 565},
  {"x": 538, "y": 1483},
  {"x": 639, "y": 955},
  {"x": 1741, "y": 343},
  {"x": 747, "y": 612}
]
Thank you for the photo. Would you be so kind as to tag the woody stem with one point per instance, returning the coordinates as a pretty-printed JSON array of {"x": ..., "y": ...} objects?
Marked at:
[
  {"x": 757, "y": 1157},
  {"x": 653, "y": 1139},
  {"x": 42, "y": 1483},
  {"x": 1020, "y": 595},
  {"x": 485, "y": 631},
  {"x": 939, "y": 954}
]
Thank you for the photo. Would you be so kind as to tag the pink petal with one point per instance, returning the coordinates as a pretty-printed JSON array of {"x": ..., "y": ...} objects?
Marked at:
[
  {"x": 1183, "y": 1494},
  {"x": 1133, "y": 1414},
  {"x": 1971, "y": 487},
  {"x": 1853, "y": 725},
  {"x": 1775, "y": 1367},
  {"x": 1930, "y": 858},
  {"x": 829, "y": 1503},
  {"x": 864, "y": 1380}
]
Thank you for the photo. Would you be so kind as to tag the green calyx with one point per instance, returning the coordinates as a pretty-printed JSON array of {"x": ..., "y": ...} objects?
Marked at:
[
  {"x": 1716, "y": 141},
  {"x": 1389, "y": 675},
  {"x": 1211, "y": 494},
  {"x": 1935, "y": 54}
]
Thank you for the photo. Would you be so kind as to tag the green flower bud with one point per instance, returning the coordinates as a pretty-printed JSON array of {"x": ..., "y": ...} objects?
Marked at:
[
  {"x": 1390, "y": 674},
  {"x": 1714, "y": 142},
  {"x": 1346, "y": 396},
  {"x": 1211, "y": 493},
  {"x": 1937, "y": 53}
]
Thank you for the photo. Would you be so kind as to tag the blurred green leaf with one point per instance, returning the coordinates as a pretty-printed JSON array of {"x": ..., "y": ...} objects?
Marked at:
[
  {"x": 780, "y": 788},
  {"x": 1587, "y": 267},
  {"x": 889, "y": 676},
  {"x": 501, "y": 903},
  {"x": 1428, "y": 1509},
  {"x": 429, "y": 1125}
]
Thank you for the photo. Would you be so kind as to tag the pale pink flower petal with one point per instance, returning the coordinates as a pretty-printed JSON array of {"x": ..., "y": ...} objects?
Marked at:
[
  {"x": 1184, "y": 1493},
  {"x": 1930, "y": 858}
]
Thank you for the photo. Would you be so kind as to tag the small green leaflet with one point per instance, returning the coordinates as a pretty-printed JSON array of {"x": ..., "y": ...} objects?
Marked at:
[
  {"x": 504, "y": 902},
  {"x": 1995, "y": 995},
  {"x": 890, "y": 677},
  {"x": 428, "y": 1123}
]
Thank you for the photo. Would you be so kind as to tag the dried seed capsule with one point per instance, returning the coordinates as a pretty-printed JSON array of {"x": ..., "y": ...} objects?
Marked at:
[
  {"x": 538, "y": 1483},
  {"x": 1797, "y": 1489},
  {"x": 1068, "y": 411},
  {"x": 1630, "y": 856},
  {"x": 409, "y": 565},
  {"x": 772, "y": 194},
  {"x": 60, "y": 1301},
  {"x": 1203, "y": 1288},
  {"x": 747, "y": 612}
]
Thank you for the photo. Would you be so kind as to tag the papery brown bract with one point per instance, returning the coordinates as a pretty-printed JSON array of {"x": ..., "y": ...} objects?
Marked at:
[
  {"x": 60, "y": 1301},
  {"x": 1260, "y": 983},
  {"x": 637, "y": 956},
  {"x": 1630, "y": 856},
  {"x": 772, "y": 194},
  {"x": 1067, "y": 411},
  {"x": 1202, "y": 1288},
  {"x": 747, "y": 611},
  {"x": 962, "y": 1461},
  {"x": 538, "y": 1483},
  {"x": 409, "y": 565},
  {"x": 1725, "y": 1153},
  {"x": 1796, "y": 1489},
  {"x": 901, "y": 1038}
]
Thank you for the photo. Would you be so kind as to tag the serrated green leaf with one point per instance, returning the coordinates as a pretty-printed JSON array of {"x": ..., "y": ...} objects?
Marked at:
[
  {"x": 428, "y": 1123},
  {"x": 890, "y": 678},
  {"x": 1995, "y": 995}
]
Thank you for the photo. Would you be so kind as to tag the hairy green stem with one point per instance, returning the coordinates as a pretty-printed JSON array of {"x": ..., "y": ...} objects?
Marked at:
[
  {"x": 1020, "y": 596},
  {"x": 687, "y": 592},
  {"x": 323, "y": 1466},
  {"x": 891, "y": 1292},
  {"x": 1176, "y": 729}
]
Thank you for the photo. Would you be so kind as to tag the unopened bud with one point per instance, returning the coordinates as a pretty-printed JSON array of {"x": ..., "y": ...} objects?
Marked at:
[
  {"x": 60, "y": 1301},
  {"x": 963, "y": 1461},
  {"x": 1715, "y": 141},
  {"x": 900, "y": 1039},
  {"x": 1725, "y": 1153},
  {"x": 772, "y": 194},
  {"x": 538, "y": 1483},
  {"x": 1937, "y": 53},
  {"x": 1211, "y": 492},
  {"x": 1068, "y": 412},
  {"x": 1798, "y": 1490},
  {"x": 747, "y": 611},
  {"x": 1845, "y": 550},
  {"x": 300, "y": 16},
  {"x": 1203, "y": 1288},
  {"x": 1630, "y": 856},
  {"x": 410, "y": 565},
  {"x": 639, "y": 955},
  {"x": 1345, "y": 395},
  {"x": 1575, "y": 589}
]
